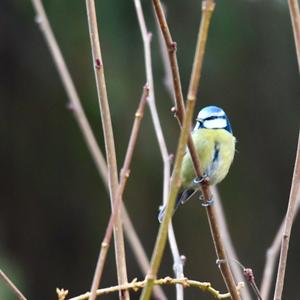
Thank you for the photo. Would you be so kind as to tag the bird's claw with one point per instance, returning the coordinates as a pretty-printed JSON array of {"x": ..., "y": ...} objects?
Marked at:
[
  {"x": 204, "y": 179},
  {"x": 206, "y": 203}
]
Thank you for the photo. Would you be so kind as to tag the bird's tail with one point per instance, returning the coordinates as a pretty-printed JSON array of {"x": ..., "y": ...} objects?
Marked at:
[{"x": 182, "y": 198}]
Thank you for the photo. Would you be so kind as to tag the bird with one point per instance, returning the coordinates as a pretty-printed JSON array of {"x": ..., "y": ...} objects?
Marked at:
[{"x": 215, "y": 145}]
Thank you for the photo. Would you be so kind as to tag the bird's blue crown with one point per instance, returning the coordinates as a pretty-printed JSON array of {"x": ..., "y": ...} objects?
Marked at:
[{"x": 212, "y": 117}]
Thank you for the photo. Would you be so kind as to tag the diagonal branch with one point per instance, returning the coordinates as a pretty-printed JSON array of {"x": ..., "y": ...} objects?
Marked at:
[
  {"x": 207, "y": 10},
  {"x": 125, "y": 171},
  {"x": 178, "y": 263},
  {"x": 74, "y": 101},
  {"x": 174, "y": 188},
  {"x": 12, "y": 286},
  {"x": 88, "y": 135},
  {"x": 295, "y": 18},
  {"x": 271, "y": 256},
  {"x": 231, "y": 253},
  {"x": 109, "y": 141},
  {"x": 288, "y": 226}
]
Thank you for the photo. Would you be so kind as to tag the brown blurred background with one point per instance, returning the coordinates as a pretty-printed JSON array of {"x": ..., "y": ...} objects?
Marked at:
[{"x": 54, "y": 206}]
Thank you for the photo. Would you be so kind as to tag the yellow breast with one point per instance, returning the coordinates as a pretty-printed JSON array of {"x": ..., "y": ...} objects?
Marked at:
[{"x": 215, "y": 148}]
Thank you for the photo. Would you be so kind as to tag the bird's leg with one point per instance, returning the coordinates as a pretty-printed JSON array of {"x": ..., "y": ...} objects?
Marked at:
[
  {"x": 206, "y": 203},
  {"x": 203, "y": 180}
]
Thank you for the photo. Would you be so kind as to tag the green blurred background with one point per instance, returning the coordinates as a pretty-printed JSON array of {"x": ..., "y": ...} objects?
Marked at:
[{"x": 54, "y": 206}]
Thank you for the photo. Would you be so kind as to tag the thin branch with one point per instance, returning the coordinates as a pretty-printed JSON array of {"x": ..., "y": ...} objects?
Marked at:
[
  {"x": 207, "y": 10},
  {"x": 231, "y": 253},
  {"x": 171, "y": 47},
  {"x": 288, "y": 226},
  {"x": 140, "y": 254},
  {"x": 120, "y": 190},
  {"x": 88, "y": 135},
  {"x": 168, "y": 79},
  {"x": 185, "y": 282},
  {"x": 272, "y": 254},
  {"x": 295, "y": 18},
  {"x": 74, "y": 101},
  {"x": 237, "y": 272},
  {"x": 146, "y": 36},
  {"x": 271, "y": 259},
  {"x": 12, "y": 286},
  {"x": 109, "y": 145},
  {"x": 174, "y": 188}
]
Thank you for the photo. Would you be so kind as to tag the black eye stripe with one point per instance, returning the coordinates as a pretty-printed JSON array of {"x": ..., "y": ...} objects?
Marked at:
[{"x": 214, "y": 117}]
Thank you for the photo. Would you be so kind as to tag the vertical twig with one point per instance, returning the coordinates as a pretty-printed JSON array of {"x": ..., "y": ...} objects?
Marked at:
[
  {"x": 178, "y": 260},
  {"x": 207, "y": 10},
  {"x": 88, "y": 135},
  {"x": 236, "y": 270},
  {"x": 146, "y": 36},
  {"x": 295, "y": 18},
  {"x": 109, "y": 142},
  {"x": 174, "y": 187},
  {"x": 12, "y": 286},
  {"x": 125, "y": 171},
  {"x": 288, "y": 226},
  {"x": 231, "y": 253},
  {"x": 271, "y": 256},
  {"x": 168, "y": 80},
  {"x": 140, "y": 254}
]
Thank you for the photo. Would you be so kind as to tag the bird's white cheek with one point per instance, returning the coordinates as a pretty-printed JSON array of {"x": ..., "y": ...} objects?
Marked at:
[{"x": 216, "y": 123}]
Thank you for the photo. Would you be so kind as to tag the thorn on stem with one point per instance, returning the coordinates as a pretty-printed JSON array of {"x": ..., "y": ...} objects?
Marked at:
[
  {"x": 172, "y": 47},
  {"x": 183, "y": 259},
  {"x": 174, "y": 110},
  {"x": 249, "y": 275},
  {"x": 98, "y": 63},
  {"x": 127, "y": 174},
  {"x": 123, "y": 293},
  {"x": 147, "y": 88}
]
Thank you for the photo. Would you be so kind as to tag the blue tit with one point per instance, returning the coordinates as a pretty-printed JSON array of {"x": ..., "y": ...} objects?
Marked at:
[{"x": 215, "y": 146}]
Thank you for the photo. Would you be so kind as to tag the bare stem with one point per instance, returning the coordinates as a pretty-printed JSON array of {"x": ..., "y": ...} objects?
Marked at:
[
  {"x": 74, "y": 101},
  {"x": 120, "y": 190},
  {"x": 146, "y": 36},
  {"x": 140, "y": 254},
  {"x": 88, "y": 135},
  {"x": 271, "y": 256},
  {"x": 236, "y": 270},
  {"x": 109, "y": 145},
  {"x": 136, "y": 285},
  {"x": 207, "y": 10},
  {"x": 288, "y": 226},
  {"x": 12, "y": 286},
  {"x": 231, "y": 253},
  {"x": 295, "y": 18},
  {"x": 174, "y": 187}
]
